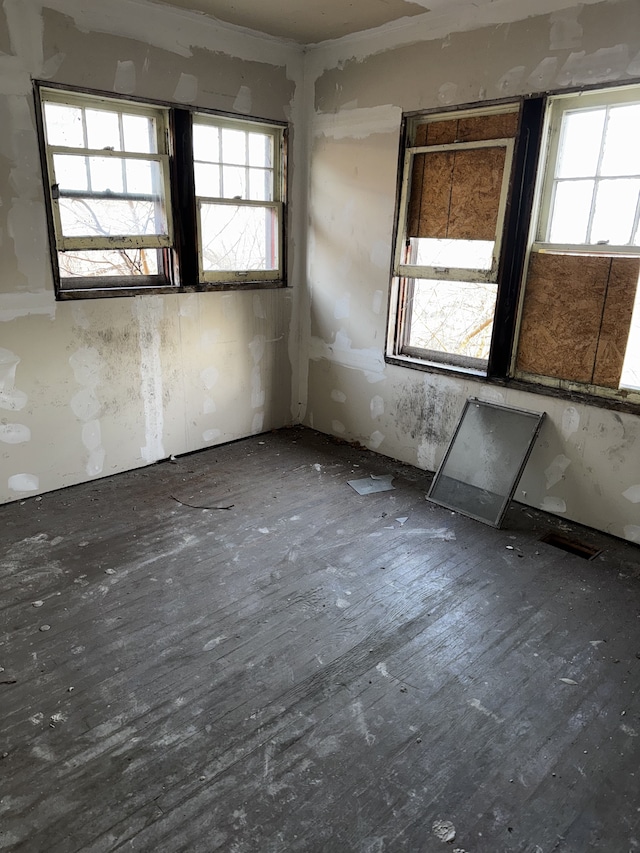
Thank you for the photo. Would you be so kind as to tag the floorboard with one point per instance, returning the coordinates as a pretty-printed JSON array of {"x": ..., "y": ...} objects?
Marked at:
[{"x": 308, "y": 671}]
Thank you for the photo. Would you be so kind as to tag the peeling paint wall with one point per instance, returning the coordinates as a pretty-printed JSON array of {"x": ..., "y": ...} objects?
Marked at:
[
  {"x": 92, "y": 387},
  {"x": 586, "y": 464}
]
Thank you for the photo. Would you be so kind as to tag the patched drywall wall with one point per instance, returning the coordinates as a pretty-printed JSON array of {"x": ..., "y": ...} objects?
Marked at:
[
  {"x": 586, "y": 463},
  {"x": 92, "y": 387}
]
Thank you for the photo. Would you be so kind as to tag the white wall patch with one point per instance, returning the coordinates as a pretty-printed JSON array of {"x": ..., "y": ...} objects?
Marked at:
[
  {"x": 632, "y": 494},
  {"x": 209, "y": 376},
  {"x": 632, "y": 532},
  {"x": 14, "y": 305},
  {"x": 10, "y": 398},
  {"x": 381, "y": 255},
  {"x": 570, "y": 421},
  {"x": 211, "y": 434},
  {"x": 555, "y": 472},
  {"x": 338, "y": 426},
  {"x": 186, "y": 90},
  {"x": 375, "y": 440},
  {"x": 14, "y": 433},
  {"x": 370, "y": 361},
  {"x": 447, "y": 94},
  {"x": 24, "y": 483},
  {"x": 358, "y": 123},
  {"x": 257, "y": 423},
  {"x": 243, "y": 101},
  {"x": 125, "y": 79},
  {"x": 551, "y": 504},
  {"x": 338, "y": 396},
  {"x": 377, "y": 406},
  {"x": 149, "y": 312},
  {"x": 342, "y": 307},
  {"x": 566, "y": 31}
]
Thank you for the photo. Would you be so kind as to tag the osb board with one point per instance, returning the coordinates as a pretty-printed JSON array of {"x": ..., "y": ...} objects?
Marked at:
[
  {"x": 616, "y": 321},
  {"x": 475, "y": 193},
  {"x": 564, "y": 300},
  {"x": 429, "y": 203},
  {"x": 501, "y": 126},
  {"x": 474, "y": 129}
]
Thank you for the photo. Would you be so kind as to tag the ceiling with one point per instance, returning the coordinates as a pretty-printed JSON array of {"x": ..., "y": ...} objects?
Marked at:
[{"x": 311, "y": 21}]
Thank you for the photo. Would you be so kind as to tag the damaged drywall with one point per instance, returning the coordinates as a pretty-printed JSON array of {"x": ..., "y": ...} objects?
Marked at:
[
  {"x": 92, "y": 387},
  {"x": 585, "y": 465}
]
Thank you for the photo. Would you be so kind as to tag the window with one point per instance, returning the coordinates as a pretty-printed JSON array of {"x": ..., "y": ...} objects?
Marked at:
[
  {"x": 239, "y": 198},
  {"x": 146, "y": 196},
  {"x": 580, "y": 323},
  {"x": 518, "y": 243},
  {"x": 456, "y": 178}
]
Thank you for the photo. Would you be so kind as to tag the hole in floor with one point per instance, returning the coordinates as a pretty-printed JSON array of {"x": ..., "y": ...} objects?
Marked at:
[{"x": 587, "y": 552}]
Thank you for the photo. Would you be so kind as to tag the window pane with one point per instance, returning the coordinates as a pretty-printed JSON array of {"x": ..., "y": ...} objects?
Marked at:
[
  {"x": 453, "y": 317},
  {"x": 615, "y": 211},
  {"x": 468, "y": 254},
  {"x": 260, "y": 184},
  {"x": 239, "y": 238},
  {"x": 206, "y": 145},
  {"x": 260, "y": 149},
  {"x": 570, "y": 214},
  {"x": 103, "y": 129},
  {"x": 580, "y": 143},
  {"x": 234, "y": 182},
  {"x": 100, "y": 217},
  {"x": 207, "y": 179},
  {"x": 64, "y": 125},
  {"x": 234, "y": 146},
  {"x": 621, "y": 153},
  {"x": 71, "y": 172},
  {"x": 143, "y": 177},
  {"x": 139, "y": 134},
  {"x": 95, "y": 263}
]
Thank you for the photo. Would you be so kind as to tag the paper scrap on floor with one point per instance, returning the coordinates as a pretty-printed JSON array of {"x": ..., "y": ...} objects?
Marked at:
[{"x": 374, "y": 483}]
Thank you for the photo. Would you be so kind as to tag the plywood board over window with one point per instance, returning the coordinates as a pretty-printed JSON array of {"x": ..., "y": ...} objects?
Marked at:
[{"x": 576, "y": 317}]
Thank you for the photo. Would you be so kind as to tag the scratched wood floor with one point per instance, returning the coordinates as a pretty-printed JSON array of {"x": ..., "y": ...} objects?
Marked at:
[{"x": 303, "y": 672}]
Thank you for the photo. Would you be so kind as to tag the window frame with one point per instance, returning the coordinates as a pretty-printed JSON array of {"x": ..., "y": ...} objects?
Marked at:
[
  {"x": 520, "y": 239},
  {"x": 179, "y": 265},
  {"x": 398, "y": 350},
  {"x": 276, "y": 132}
]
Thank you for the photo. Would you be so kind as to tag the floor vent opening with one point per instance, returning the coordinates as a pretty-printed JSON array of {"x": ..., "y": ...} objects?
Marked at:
[{"x": 587, "y": 552}]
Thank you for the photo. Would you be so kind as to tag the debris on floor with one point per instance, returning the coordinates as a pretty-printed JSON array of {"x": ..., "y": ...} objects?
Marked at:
[
  {"x": 444, "y": 830},
  {"x": 372, "y": 484}
]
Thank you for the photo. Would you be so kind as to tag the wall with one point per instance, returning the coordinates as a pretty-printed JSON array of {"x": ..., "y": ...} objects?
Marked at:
[
  {"x": 92, "y": 387},
  {"x": 586, "y": 464}
]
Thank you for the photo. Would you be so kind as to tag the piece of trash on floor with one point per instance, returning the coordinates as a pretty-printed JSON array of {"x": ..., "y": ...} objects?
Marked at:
[
  {"x": 568, "y": 681},
  {"x": 37, "y": 603},
  {"x": 509, "y": 547},
  {"x": 317, "y": 466},
  {"x": 373, "y": 483},
  {"x": 45, "y": 627},
  {"x": 444, "y": 830},
  {"x": 109, "y": 571},
  {"x": 403, "y": 519},
  {"x": 595, "y": 643},
  {"x": 443, "y": 533},
  {"x": 172, "y": 458}
]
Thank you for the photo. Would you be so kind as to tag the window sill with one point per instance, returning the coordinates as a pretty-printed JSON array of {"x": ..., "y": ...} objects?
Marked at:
[
  {"x": 620, "y": 401},
  {"x": 120, "y": 292}
]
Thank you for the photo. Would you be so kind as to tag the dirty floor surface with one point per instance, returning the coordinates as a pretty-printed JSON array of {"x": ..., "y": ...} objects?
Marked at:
[{"x": 310, "y": 669}]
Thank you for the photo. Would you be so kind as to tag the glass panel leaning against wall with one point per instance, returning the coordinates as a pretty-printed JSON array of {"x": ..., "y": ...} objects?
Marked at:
[
  {"x": 456, "y": 175},
  {"x": 580, "y": 310}
]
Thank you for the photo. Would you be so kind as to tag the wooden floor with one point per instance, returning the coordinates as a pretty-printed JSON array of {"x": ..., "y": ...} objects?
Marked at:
[{"x": 305, "y": 672}]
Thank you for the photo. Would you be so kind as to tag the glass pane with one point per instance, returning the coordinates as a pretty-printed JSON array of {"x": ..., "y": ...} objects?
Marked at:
[
  {"x": 239, "y": 238},
  {"x": 207, "y": 179},
  {"x": 631, "y": 367},
  {"x": 260, "y": 184},
  {"x": 621, "y": 153},
  {"x": 139, "y": 134},
  {"x": 143, "y": 177},
  {"x": 616, "y": 203},
  {"x": 98, "y": 262},
  {"x": 71, "y": 172},
  {"x": 484, "y": 460},
  {"x": 453, "y": 317},
  {"x": 469, "y": 254},
  {"x": 570, "y": 214},
  {"x": 206, "y": 144},
  {"x": 64, "y": 125},
  {"x": 103, "y": 129},
  {"x": 260, "y": 149},
  {"x": 234, "y": 182},
  {"x": 106, "y": 174},
  {"x": 234, "y": 146},
  {"x": 580, "y": 143},
  {"x": 100, "y": 217}
]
